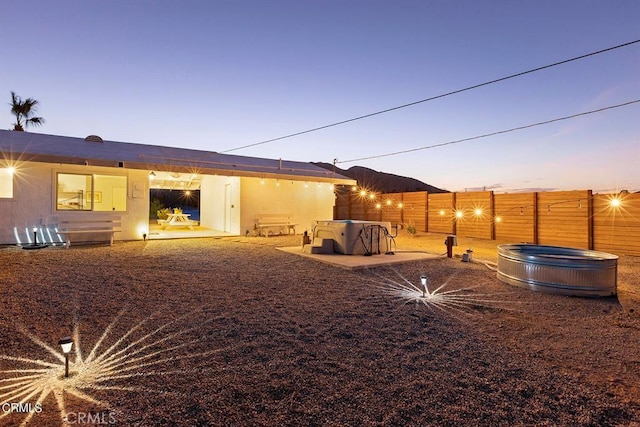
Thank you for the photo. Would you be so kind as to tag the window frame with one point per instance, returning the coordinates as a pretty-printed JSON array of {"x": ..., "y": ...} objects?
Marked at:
[{"x": 90, "y": 207}]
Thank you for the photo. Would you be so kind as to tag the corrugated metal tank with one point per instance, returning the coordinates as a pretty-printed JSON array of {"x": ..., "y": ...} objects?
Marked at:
[{"x": 558, "y": 270}]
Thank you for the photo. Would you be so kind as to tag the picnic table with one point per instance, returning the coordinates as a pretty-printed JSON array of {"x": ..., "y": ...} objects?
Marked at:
[{"x": 178, "y": 220}]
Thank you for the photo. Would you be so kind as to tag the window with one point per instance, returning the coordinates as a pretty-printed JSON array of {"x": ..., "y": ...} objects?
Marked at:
[
  {"x": 6, "y": 183},
  {"x": 100, "y": 193}
]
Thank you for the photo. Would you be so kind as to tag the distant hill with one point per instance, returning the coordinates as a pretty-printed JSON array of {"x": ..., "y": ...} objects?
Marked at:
[{"x": 382, "y": 182}]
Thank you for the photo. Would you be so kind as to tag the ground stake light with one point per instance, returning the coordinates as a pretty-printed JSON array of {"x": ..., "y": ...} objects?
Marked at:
[
  {"x": 66, "y": 343},
  {"x": 425, "y": 290}
]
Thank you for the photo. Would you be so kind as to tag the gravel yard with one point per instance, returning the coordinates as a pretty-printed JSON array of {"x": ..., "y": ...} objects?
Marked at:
[{"x": 230, "y": 331}]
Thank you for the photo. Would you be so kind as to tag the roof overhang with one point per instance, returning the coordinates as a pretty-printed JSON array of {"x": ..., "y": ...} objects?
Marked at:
[{"x": 22, "y": 146}]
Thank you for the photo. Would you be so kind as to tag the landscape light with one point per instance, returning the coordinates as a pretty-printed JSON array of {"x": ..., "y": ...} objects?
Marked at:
[
  {"x": 378, "y": 206},
  {"x": 66, "y": 343},
  {"x": 442, "y": 212},
  {"x": 35, "y": 236},
  {"x": 478, "y": 212},
  {"x": 400, "y": 205},
  {"x": 389, "y": 202},
  {"x": 498, "y": 219},
  {"x": 423, "y": 281},
  {"x": 459, "y": 214}
]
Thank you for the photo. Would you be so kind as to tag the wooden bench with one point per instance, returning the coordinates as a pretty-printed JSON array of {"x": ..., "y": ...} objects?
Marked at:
[
  {"x": 266, "y": 222},
  {"x": 88, "y": 225}
]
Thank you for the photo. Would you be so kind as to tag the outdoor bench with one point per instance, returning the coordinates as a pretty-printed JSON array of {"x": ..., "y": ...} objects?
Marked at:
[
  {"x": 74, "y": 226},
  {"x": 267, "y": 222}
]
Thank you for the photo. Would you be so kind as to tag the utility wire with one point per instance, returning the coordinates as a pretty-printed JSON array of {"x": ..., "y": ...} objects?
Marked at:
[
  {"x": 435, "y": 97},
  {"x": 546, "y": 122}
]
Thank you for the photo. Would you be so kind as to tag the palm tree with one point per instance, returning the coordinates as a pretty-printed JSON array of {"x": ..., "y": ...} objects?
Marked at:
[{"x": 23, "y": 111}]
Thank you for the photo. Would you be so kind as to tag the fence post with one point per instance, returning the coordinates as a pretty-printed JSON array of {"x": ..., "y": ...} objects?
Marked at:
[
  {"x": 590, "y": 218},
  {"x": 535, "y": 218}
]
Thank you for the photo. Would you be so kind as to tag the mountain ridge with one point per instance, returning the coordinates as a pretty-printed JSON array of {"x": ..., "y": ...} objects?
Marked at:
[{"x": 382, "y": 182}]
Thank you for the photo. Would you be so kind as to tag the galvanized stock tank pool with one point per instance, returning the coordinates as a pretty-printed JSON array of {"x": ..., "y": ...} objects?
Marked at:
[{"x": 558, "y": 270}]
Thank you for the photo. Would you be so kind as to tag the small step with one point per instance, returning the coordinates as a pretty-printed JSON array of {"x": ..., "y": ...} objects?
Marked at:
[{"x": 320, "y": 246}]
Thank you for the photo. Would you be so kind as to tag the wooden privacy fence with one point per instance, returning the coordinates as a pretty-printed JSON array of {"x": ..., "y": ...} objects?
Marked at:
[{"x": 578, "y": 219}]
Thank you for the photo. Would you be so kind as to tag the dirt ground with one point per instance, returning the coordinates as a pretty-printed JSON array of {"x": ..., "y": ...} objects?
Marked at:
[{"x": 232, "y": 332}]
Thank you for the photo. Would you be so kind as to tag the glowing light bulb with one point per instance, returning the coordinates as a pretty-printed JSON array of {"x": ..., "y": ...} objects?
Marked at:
[
  {"x": 615, "y": 202},
  {"x": 459, "y": 214},
  {"x": 442, "y": 212},
  {"x": 478, "y": 212}
]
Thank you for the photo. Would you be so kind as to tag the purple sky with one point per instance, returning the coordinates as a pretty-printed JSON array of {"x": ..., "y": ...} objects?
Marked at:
[{"x": 216, "y": 75}]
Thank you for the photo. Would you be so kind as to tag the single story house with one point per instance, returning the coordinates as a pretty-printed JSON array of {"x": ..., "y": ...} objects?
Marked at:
[{"x": 44, "y": 178}]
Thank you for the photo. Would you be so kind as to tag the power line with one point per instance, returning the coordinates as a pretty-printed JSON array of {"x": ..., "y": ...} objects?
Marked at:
[
  {"x": 492, "y": 133},
  {"x": 435, "y": 97}
]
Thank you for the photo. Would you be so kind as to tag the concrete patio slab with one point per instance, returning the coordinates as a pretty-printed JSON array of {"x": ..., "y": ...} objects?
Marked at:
[{"x": 357, "y": 262}]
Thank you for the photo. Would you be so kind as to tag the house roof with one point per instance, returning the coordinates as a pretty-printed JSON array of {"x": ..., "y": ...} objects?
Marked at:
[{"x": 27, "y": 146}]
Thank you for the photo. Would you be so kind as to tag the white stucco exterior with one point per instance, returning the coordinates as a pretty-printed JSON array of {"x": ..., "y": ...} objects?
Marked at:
[
  {"x": 33, "y": 202},
  {"x": 234, "y": 190}
]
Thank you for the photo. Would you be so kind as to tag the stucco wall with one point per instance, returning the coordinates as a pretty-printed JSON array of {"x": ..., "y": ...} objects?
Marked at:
[
  {"x": 214, "y": 206},
  {"x": 33, "y": 202},
  {"x": 306, "y": 201}
]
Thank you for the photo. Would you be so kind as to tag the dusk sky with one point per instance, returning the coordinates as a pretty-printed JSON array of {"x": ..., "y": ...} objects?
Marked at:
[{"x": 217, "y": 75}]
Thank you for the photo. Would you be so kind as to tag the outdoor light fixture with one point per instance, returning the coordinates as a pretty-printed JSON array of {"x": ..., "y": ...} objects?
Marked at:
[
  {"x": 363, "y": 193},
  {"x": 35, "y": 244},
  {"x": 152, "y": 175},
  {"x": 615, "y": 202},
  {"x": 400, "y": 205},
  {"x": 11, "y": 170},
  {"x": 389, "y": 202},
  {"x": 378, "y": 206},
  {"x": 498, "y": 219},
  {"x": 425, "y": 290},
  {"x": 144, "y": 237},
  {"x": 478, "y": 212},
  {"x": 372, "y": 196},
  {"x": 66, "y": 343},
  {"x": 459, "y": 214},
  {"x": 442, "y": 212}
]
